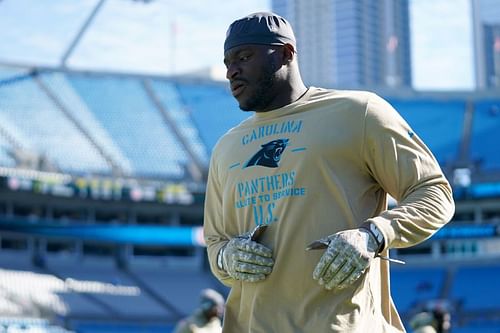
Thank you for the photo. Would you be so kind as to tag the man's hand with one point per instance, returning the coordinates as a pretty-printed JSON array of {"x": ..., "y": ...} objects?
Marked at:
[
  {"x": 245, "y": 259},
  {"x": 347, "y": 256}
]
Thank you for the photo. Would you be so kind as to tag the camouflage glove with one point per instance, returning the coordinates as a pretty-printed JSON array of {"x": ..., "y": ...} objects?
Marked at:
[
  {"x": 246, "y": 260},
  {"x": 348, "y": 254}
]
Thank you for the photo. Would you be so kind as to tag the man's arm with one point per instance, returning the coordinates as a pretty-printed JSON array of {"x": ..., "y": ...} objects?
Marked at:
[
  {"x": 213, "y": 228},
  {"x": 238, "y": 257},
  {"x": 406, "y": 169},
  {"x": 402, "y": 166}
]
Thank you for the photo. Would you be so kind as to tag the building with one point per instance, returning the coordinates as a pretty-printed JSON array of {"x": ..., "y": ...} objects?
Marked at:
[
  {"x": 486, "y": 25},
  {"x": 351, "y": 43}
]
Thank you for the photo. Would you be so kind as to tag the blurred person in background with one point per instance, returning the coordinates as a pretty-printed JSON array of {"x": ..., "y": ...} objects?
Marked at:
[
  {"x": 313, "y": 168},
  {"x": 434, "y": 319},
  {"x": 207, "y": 317},
  {"x": 423, "y": 322},
  {"x": 443, "y": 318}
]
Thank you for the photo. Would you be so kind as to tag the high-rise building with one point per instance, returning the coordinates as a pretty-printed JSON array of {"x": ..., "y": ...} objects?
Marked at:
[
  {"x": 486, "y": 25},
  {"x": 351, "y": 43}
]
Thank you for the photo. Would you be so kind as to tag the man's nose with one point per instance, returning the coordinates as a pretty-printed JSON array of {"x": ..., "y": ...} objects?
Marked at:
[{"x": 232, "y": 71}]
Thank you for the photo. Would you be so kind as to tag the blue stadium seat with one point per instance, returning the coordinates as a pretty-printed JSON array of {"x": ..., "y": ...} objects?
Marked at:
[
  {"x": 5, "y": 157},
  {"x": 213, "y": 110},
  {"x": 438, "y": 122},
  {"x": 493, "y": 328},
  {"x": 484, "y": 139},
  {"x": 180, "y": 287},
  {"x": 73, "y": 103},
  {"x": 29, "y": 325},
  {"x": 116, "y": 327},
  {"x": 171, "y": 100},
  {"x": 130, "y": 301},
  {"x": 49, "y": 131},
  {"x": 475, "y": 288},
  {"x": 123, "y": 108},
  {"x": 410, "y": 287},
  {"x": 8, "y": 74}
]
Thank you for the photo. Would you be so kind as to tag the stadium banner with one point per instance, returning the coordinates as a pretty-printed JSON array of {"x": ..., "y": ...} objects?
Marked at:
[
  {"x": 467, "y": 231},
  {"x": 123, "y": 234},
  {"x": 95, "y": 188}
]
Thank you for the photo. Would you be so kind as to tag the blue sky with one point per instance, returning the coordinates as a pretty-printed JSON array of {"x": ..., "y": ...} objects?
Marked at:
[
  {"x": 178, "y": 36},
  {"x": 442, "y": 51}
]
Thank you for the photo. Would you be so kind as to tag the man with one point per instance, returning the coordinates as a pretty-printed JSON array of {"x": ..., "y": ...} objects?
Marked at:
[
  {"x": 423, "y": 322},
  {"x": 434, "y": 317},
  {"x": 206, "y": 318},
  {"x": 314, "y": 166}
]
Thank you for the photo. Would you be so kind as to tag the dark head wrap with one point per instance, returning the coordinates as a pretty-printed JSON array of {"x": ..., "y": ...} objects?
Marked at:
[{"x": 260, "y": 28}]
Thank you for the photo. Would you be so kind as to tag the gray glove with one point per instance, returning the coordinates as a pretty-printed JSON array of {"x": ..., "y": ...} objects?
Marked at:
[
  {"x": 246, "y": 260},
  {"x": 347, "y": 256}
]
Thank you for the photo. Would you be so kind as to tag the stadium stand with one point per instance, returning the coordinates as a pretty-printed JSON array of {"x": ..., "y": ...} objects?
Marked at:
[
  {"x": 29, "y": 325},
  {"x": 415, "y": 286},
  {"x": 123, "y": 108},
  {"x": 82, "y": 151},
  {"x": 9, "y": 74},
  {"x": 480, "y": 296},
  {"x": 487, "y": 328},
  {"x": 212, "y": 108},
  {"x": 52, "y": 135},
  {"x": 171, "y": 101},
  {"x": 58, "y": 86},
  {"x": 431, "y": 119},
  {"x": 5, "y": 153},
  {"x": 486, "y": 125},
  {"x": 115, "y": 294}
]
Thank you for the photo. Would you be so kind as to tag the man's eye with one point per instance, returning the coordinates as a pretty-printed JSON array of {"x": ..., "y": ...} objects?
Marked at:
[{"x": 244, "y": 58}]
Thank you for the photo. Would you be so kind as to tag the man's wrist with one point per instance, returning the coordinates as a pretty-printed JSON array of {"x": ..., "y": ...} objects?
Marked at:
[
  {"x": 220, "y": 257},
  {"x": 377, "y": 235}
]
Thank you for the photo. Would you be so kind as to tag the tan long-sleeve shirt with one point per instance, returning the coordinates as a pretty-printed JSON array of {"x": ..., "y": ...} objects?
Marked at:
[{"x": 322, "y": 164}]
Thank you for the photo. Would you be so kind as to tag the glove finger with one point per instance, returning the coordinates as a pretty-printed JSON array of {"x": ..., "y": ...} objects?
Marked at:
[
  {"x": 324, "y": 263},
  {"x": 252, "y": 269},
  {"x": 251, "y": 258},
  {"x": 350, "y": 273},
  {"x": 343, "y": 273},
  {"x": 248, "y": 277},
  {"x": 355, "y": 275},
  {"x": 335, "y": 272},
  {"x": 254, "y": 247}
]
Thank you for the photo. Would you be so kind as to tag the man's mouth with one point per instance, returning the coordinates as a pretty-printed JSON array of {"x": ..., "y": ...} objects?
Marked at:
[{"x": 237, "y": 88}]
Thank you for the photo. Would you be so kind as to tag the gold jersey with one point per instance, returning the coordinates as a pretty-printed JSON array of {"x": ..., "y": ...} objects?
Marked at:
[{"x": 322, "y": 164}]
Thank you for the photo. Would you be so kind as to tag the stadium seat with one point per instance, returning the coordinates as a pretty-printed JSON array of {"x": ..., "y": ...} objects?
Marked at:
[
  {"x": 123, "y": 108},
  {"x": 411, "y": 287},
  {"x": 438, "y": 122},
  {"x": 213, "y": 109},
  {"x": 481, "y": 295},
  {"x": 50, "y": 133},
  {"x": 59, "y": 85},
  {"x": 485, "y": 129},
  {"x": 171, "y": 101}
]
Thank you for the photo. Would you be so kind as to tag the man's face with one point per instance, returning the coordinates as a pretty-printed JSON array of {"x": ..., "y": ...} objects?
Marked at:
[{"x": 251, "y": 71}]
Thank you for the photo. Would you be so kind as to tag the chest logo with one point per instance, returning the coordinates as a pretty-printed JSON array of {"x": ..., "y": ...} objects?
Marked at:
[{"x": 269, "y": 155}]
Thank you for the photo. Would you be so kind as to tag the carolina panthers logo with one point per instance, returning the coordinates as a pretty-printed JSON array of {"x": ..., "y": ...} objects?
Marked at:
[{"x": 270, "y": 154}]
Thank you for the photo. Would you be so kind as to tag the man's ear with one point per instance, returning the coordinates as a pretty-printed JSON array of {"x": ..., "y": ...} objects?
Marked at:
[{"x": 288, "y": 53}]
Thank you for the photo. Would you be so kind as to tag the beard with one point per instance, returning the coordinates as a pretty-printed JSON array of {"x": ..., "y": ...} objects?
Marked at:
[{"x": 264, "y": 93}]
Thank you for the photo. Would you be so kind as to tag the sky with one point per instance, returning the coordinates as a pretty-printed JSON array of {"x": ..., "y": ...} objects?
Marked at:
[{"x": 171, "y": 37}]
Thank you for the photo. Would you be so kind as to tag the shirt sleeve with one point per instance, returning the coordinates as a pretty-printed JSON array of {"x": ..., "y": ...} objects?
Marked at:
[
  {"x": 405, "y": 168},
  {"x": 213, "y": 228}
]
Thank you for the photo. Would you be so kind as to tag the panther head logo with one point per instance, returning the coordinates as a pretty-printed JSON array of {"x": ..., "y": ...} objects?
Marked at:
[{"x": 270, "y": 154}]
